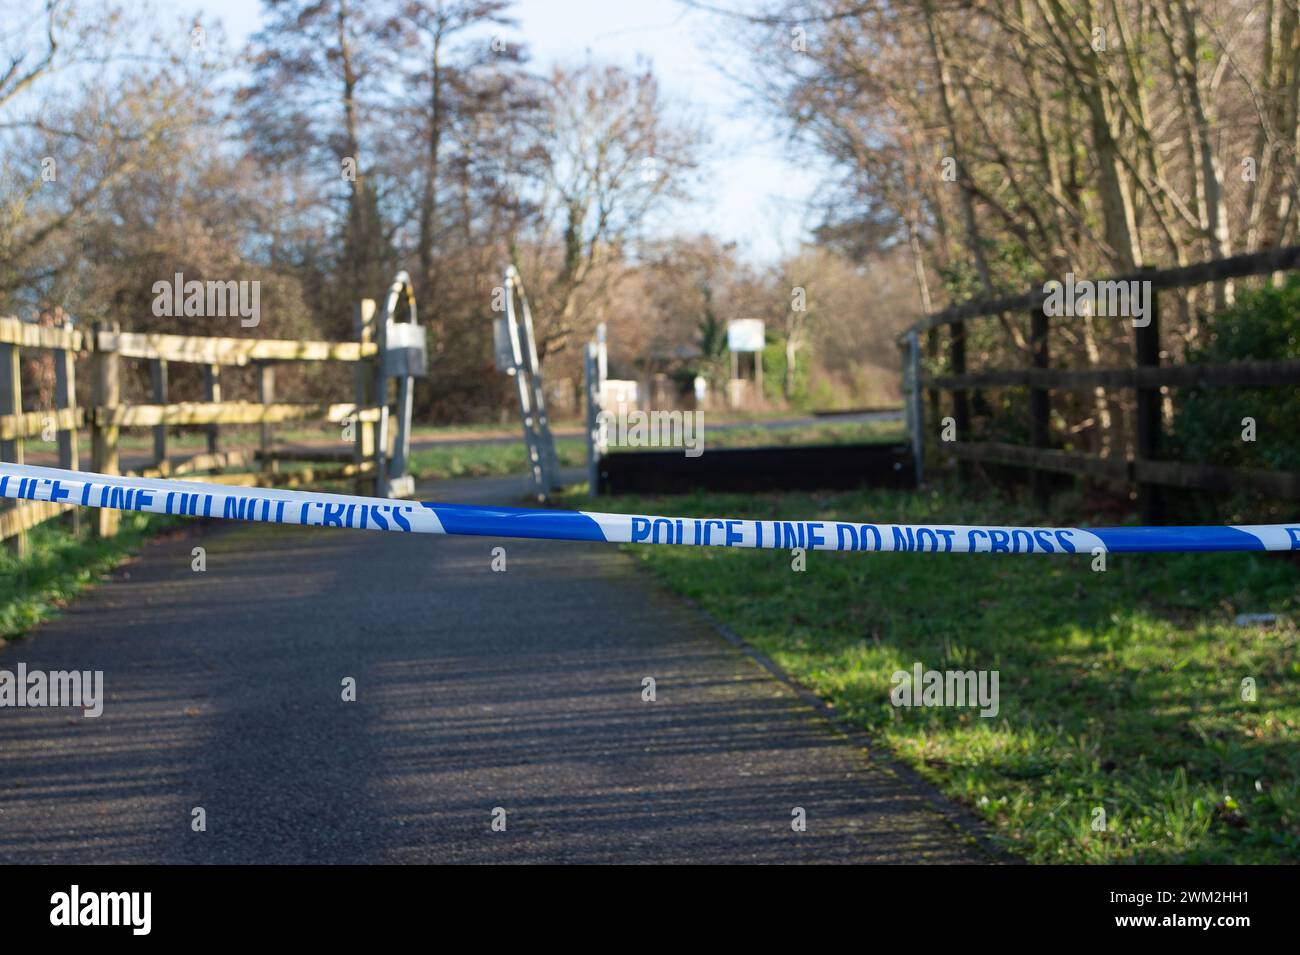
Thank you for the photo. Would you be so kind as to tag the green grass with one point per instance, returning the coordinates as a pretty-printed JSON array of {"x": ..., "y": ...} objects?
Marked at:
[
  {"x": 488, "y": 460},
  {"x": 827, "y": 432},
  {"x": 719, "y": 431},
  {"x": 468, "y": 459},
  {"x": 59, "y": 565},
  {"x": 1119, "y": 689}
]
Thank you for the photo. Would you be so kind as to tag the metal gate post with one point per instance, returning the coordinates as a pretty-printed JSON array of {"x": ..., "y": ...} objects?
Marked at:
[
  {"x": 546, "y": 442},
  {"x": 522, "y": 363},
  {"x": 402, "y": 355},
  {"x": 402, "y": 447},
  {"x": 594, "y": 365}
]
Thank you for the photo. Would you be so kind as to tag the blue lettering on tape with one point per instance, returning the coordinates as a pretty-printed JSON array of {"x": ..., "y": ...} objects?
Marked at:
[{"x": 192, "y": 499}]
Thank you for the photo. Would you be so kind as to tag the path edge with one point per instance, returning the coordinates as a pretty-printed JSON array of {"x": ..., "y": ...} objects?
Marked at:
[{"x": 967, "y": 826}]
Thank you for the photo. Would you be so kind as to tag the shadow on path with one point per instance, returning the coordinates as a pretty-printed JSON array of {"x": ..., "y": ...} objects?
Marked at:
[{"x": 475, "y": 689}]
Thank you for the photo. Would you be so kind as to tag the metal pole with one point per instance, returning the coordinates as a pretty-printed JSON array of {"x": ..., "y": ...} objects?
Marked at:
[
  {"x": 593, "y": 413},
  {"x": 546, "y": 444},
  {"x": 543, "y": 467},
  {"x": 405, "y": 408},
  {"x": 396, "y": 362},
  {"x": 535, "y": 463},
  {"x": 594, "y": 365},
  {"x": 402, "y": 356},
  {"x": 381, "y": 402}
]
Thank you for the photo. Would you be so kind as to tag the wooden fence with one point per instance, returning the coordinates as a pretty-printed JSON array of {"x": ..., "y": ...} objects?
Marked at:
[
  {"x": 105, "y": 347},
  {"x": 1147, "y": 376}
]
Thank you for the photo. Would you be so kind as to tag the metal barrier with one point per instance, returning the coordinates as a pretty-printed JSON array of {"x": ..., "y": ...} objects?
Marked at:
[
  {"x": 595, "y": 367},
  {"x": 516, "y": 355},
  {"x": 404, "y": 358}
]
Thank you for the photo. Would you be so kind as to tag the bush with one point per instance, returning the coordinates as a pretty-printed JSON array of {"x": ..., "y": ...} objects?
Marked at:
[
  {"x": 1208, "y": 424},
  {"x": 774, "y": 366}
]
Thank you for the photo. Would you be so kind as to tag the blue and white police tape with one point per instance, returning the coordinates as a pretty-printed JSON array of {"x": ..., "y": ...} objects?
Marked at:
[{"x": 309, "y": 508}]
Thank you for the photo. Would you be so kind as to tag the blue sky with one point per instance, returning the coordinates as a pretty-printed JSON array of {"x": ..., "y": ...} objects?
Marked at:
[{"x": 752, "y": 190}]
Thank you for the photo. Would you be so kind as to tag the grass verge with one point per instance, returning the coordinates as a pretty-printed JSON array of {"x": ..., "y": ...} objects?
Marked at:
[
  {"x": 59, "y": 565},
  {"x": 1120, "y": 691},
  {"x": 487, "y": 460}
]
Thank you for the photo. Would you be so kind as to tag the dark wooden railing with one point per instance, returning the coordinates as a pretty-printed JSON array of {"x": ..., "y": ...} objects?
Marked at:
[{"x": 1146, "y": 377}]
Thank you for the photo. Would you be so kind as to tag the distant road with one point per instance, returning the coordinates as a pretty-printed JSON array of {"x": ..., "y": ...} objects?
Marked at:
[{"x": 131, "y": 460}]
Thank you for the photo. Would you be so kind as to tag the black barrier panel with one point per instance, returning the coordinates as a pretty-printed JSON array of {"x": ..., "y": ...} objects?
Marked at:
[{"x": 805, "y": 468}]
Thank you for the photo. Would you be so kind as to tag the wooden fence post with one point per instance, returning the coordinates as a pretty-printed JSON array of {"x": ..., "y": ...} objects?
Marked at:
[
  {"x": 1040, "y": 403},
  {"x": 932, "y": 353},
  {"x": 1144, "y": 470},
  {"x": 363, "y": 378},
  {"x": 960, "y": 405},
  {"x": 914, "y": 407},
  {"x": 1146, "y": 342},
  {"x": 11, "y": 450},
  {"x": 212, "y": 392},
  {"x": 158, "y": 379},
  {"x": 266, "y": 395},
  {"x": 106, "y": 388},
  {"x": 65, "y": 398}
]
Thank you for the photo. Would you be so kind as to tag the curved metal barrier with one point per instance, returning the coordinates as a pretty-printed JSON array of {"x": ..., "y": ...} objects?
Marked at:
[{"x": 516, "y": 355}]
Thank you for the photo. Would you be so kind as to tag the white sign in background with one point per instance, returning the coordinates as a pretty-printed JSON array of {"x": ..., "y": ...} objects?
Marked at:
[{"x": 745, "y": 335}]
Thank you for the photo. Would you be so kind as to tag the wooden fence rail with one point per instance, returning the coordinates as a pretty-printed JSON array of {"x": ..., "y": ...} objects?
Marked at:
[
  {"x": 104, "y": 348},
  {"x": 1146, "y": 377},
  {"x": 64, "y": 419}
]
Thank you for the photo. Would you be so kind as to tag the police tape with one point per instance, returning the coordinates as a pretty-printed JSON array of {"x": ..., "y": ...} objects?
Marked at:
[{"x": 313, "y": 509}]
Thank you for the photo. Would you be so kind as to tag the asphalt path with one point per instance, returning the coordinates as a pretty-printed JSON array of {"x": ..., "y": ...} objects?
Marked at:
[{"x": 476, "y": 690}]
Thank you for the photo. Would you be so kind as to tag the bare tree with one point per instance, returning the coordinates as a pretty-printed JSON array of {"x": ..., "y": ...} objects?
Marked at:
[
  {"x": 612, "y": 158},
  {"x": 316, "y": 70}
]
